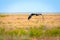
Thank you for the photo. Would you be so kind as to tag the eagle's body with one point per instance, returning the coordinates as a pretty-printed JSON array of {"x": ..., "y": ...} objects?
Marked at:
[{"x": 33, "y": 15}]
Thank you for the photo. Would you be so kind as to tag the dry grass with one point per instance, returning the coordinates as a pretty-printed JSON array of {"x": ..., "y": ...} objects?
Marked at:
[
  {"x": 21, "y": 21},
  {"x": 19, "y": 27}
]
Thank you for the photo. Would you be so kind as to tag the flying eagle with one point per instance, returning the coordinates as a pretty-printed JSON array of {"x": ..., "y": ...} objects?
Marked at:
[{"x": 33, "y": 15}]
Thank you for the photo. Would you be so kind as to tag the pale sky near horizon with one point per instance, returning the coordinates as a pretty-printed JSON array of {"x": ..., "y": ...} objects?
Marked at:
[{"x": 29, "y": 5}]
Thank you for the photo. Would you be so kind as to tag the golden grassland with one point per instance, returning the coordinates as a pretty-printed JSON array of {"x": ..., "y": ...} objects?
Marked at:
[
  {"x": 21, "y": 21},
  {"x": 18, "y": 27}
]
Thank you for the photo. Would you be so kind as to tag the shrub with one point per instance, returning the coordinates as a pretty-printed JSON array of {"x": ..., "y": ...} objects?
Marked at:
[
  {"x": 2, "y": 31},
  {"x": 53, "y": 32},
  {"x": 16, "y": 32},
  {"x": 10, "y": 33},
  {"x": 35, "y": 32},
  {"x": 22, "y": 32}
]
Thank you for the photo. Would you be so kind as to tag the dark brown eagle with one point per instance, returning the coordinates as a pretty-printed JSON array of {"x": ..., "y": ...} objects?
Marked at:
[{"x": 33, "y": 15}]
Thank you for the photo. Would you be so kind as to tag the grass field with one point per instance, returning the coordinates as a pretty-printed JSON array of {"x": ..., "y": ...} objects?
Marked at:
[{"x": 18, "y": 27}]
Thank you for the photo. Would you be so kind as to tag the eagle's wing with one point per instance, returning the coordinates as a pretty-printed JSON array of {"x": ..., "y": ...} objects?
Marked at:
[{"x": 30, "y": 16}]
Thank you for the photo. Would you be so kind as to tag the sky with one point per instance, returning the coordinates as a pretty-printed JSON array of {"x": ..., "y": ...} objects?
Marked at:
[{"x": 29, "y": 6}]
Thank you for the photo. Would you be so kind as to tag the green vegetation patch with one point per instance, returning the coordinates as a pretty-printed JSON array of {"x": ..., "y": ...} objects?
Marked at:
[
  {"x": 30, "y": 33},
  {"x": 53, "y": 32},
  {"x": 35, "y": 32},
  {"x": 16, "y": 32},
  {"x": 2, "y": 31}
]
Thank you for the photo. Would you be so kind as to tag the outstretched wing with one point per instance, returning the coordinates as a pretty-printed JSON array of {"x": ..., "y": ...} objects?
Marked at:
[{"x": 30, "y": 16}]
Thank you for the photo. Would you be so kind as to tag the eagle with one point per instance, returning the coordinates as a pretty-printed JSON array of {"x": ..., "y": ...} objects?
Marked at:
[{"x": 30, "y": 16}]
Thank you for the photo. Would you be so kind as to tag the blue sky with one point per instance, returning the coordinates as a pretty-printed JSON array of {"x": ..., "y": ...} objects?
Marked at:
[{"x": 29, "y": 5}]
